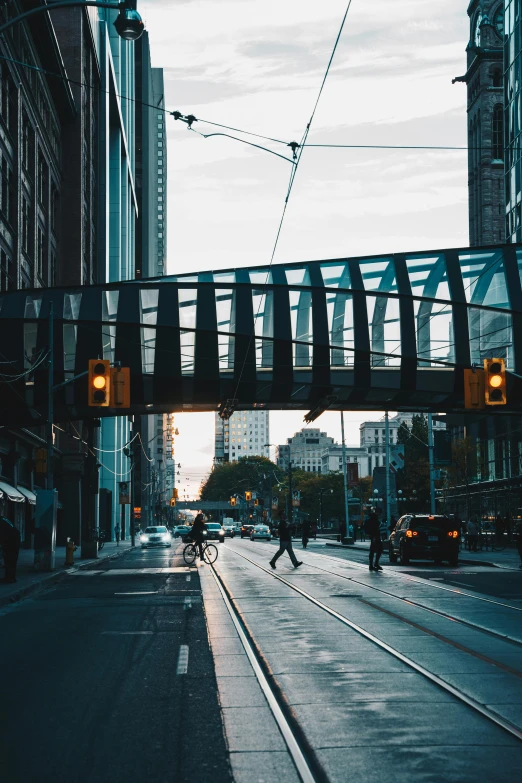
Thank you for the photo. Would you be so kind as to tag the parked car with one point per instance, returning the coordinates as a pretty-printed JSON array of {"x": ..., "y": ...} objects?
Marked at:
[
  {"x": 230, "y": 530},
  {"x": 215, "y": 532},
  {"x": 424, "y": 537},
  {"x": 261, "y": 532},
  {"x": 155, "y": 536},
  {"x": 246, "y": 530}
]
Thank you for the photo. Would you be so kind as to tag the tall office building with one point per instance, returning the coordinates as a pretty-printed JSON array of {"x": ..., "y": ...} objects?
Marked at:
[
  {"x": 512, "y": 91},
  {"x": 151, "y": 243},
  {"x": 305, "y": 450},
  {"x": 485, "y": 108},
  {"x": 245, "y": 434}
]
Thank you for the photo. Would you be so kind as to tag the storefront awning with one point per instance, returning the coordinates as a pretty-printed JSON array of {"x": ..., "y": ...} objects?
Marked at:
[
  {"x": 11, "y": 493},
  {"x": 31, "y": 497}
]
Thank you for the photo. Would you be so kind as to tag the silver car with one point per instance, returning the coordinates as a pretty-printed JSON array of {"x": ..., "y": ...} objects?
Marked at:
[
  {"x": 155, "y": 536},
  {"x": 261, "y": 532}
]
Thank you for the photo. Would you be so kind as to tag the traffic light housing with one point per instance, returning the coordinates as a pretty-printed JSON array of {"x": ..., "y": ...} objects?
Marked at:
[
  {"x": 99, "y": 381},
  {"x": 495, "y": 381},
  {"x": 172, "y": 502},
  {"x": 233, "y": 501},
  {"x": 248, "y": 497},
  {"x": 120, "y": 387},
  {"x": 474, "y": 391},
  {"x": 175, "y": 493}
]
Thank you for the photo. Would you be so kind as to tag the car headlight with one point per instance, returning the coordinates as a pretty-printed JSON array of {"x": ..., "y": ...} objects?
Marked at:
[
  {"x": 144, "y": 538},
  {"x": 166, "y": 537}
]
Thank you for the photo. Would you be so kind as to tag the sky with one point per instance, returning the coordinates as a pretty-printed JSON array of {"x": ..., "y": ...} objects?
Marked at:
[{"x": 258, "y": 66}]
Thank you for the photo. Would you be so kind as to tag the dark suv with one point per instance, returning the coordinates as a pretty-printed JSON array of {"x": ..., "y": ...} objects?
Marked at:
[{"x": 424, "y": 537}]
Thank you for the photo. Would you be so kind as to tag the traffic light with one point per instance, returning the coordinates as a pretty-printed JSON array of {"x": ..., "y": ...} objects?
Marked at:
[
  {"x": 474, "y": 397},
  {"x": 233, "y": 501},
  {"x": 248, "y": 497},
  {"x": 495, "y": 381},
  {"x": 99, "y": 393},
  {"x": 120, "y": 387},
  {"x": 175, "y": 493},
  {"x": 172, "y": 502}
]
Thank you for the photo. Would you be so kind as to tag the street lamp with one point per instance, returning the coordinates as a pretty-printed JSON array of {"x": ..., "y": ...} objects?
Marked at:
[
  {"x": 129, "y": 24},
  {"x": 326, "y": 489}
]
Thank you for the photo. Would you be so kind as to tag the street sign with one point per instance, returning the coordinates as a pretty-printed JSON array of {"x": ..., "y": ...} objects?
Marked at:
[
  {"x": 124, "y": 487},
  {"x": 397, "y": 458}
]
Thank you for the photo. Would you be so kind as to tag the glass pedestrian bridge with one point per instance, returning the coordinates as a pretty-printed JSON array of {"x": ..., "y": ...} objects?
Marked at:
[{"x": 382, "y": 332}]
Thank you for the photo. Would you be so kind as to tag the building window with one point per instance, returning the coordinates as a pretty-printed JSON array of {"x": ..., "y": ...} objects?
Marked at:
[
  {"x": 6, "y": 280},
  {"x": 6, "y": 190},
  {"x": 26, "y": 226},
  {"x": 498, "y": 132}
]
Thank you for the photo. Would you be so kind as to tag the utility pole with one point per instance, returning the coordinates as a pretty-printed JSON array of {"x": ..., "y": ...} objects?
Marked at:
[
  {"x": 290, "y": 512},
  {"x": 345, "y": 479},
  {"x": 387, "y": 432},
  {"x": 50, "y": 401},
  {"x": 431, "y": 450}
]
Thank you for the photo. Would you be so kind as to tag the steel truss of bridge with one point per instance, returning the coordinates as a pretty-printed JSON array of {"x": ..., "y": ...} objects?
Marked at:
[{"x": 372, "y": 333}]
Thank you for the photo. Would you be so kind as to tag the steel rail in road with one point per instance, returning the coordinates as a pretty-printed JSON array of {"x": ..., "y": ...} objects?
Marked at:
[
  {"x": 509, "y": 727},
  {"x": 424, "y": 582},
  {"x": 299, "y": 758}
]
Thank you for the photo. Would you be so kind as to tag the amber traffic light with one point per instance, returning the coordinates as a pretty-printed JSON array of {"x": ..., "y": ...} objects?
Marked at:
[
  {"x": 99, "y": 392},
  {"x": 248, "y": 496},
  {"x": 495, "y": 381},
  {"x": 233, "y": 501}
]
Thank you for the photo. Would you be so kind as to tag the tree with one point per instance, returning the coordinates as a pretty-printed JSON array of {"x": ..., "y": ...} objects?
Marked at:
[{"x": 254, "y": 474}]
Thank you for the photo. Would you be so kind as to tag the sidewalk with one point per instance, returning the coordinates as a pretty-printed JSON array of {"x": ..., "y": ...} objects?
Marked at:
[
  {"x": 29, "y": 580},
  {"x": 508, "y": 558}
]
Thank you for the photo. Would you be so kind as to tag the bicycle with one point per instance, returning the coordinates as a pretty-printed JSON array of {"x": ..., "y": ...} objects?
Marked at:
[
  {"x": 190, "y": 552},
  {"x": 98, "y": 536}
]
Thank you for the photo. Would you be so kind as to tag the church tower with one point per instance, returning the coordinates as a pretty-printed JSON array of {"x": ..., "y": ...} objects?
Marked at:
[{"x": 484, "y": 78}]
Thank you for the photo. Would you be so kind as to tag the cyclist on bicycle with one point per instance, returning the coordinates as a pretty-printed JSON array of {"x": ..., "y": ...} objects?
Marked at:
[{"x": 197, "y": 533}]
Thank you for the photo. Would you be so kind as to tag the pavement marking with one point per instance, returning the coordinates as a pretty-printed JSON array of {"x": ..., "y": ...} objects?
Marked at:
[
  {"x": 187, "y": 603},
  {"x": 127, "y": 633},
  {"x": 145, "y": 592},
  {"x": 134, "y": 571},
  {"x": 183, "y": 657},
  {"x": 188, "y": 578}
]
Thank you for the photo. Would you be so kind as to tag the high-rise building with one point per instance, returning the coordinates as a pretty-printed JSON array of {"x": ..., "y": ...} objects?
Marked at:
[
  {"x": 483, "y": 77},
  {"x": 512, "y": 91},
  {"x": 373, "y": 438},
  {"x": 305, "y": 450},
  {"x": 245, "y": 434},
  {"x": 332, "y": 459}
]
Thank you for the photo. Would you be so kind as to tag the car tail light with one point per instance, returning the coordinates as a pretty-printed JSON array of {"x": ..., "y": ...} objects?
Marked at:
[
  {"x": 415, "y": 533},
  {"x": 453, "y": 533},
  {"x": 409, "y": 534}
]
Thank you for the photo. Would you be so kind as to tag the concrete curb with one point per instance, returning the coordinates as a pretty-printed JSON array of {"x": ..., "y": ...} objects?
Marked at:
[
  {"x": 462, "y": 560},
  {"x": 56, "y": 576}
]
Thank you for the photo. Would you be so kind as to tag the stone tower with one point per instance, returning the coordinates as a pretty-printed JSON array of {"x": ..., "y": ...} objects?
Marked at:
[{"x": 484, "y": 78}]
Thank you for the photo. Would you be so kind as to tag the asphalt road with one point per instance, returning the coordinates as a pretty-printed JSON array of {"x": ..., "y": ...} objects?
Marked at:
[
  {"x": 94, "y": 687},
  {"x": 491, "y": 581}
]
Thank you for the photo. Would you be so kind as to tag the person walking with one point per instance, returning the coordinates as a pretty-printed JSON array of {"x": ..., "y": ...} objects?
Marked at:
[
  {"x": 473, "y": 535},
  {"x": 373, "y": 528},
  {"x": 117, "y": 532},
  {"x": 305, "y": 533},
  {"x": 10, "y": 543},
  {"x": 285, "y": 545}
]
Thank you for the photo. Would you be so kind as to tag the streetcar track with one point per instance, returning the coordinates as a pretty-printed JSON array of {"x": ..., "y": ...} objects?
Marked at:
[
  {"x": 307, "y": 766},
  {"x": 490, "y": 715}
]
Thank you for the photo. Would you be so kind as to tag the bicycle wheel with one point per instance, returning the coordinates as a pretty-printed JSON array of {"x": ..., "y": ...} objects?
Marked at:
[
  {"x": 210, "y": 553},
  {"x": 189, "y": 554}
]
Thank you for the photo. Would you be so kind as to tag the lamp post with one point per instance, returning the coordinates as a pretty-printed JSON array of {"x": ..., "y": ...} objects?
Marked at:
[
  {"x": 326, "y": 489},
  {"x": 129, "y": 24}
]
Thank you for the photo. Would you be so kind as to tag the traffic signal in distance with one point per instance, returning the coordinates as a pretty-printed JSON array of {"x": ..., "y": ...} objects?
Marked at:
[
  {"x": 175, "y": 494},
  {"x": 474, "y": 397},
  {"x": 120, "y": 387},
  {"x": 99, "y": 379},
  {"x": 248, "y": 496},
  {"x": 495, "y": 381},
  {"x": 172, "y": 502},
  {"x": 233, "y": 501}
]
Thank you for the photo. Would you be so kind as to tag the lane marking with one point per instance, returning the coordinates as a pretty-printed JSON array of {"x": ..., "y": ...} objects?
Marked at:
[
  {"x": 183, "y": 659},
  {"x": 188, "y": 578},
  {"x": 494, "y": 717},
  {"x": 145, "y": 592},
  {"x": 187, "y": 604}
]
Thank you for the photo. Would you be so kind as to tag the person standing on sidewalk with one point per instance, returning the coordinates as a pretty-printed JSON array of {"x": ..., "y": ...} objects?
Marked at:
[
  {"x": 305, "y": 532},
  {"x": 285, "y": 544},
  {"x": 373, "y": 528},
  {"x": 117, "y": 532},
  {"x": 10, "y": 543}
]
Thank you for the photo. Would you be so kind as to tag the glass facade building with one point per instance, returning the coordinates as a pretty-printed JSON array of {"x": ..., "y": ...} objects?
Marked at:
[{"x": 513, "y": 118}]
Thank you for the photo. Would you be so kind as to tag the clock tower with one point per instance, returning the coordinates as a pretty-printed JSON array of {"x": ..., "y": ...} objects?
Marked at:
[{"x": 484, "y": 78}]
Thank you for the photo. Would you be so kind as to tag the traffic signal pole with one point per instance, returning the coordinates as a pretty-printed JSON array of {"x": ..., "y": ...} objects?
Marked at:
[
  {"x": 50, "y": 401},
  {"x": 431, "y": 463}
]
